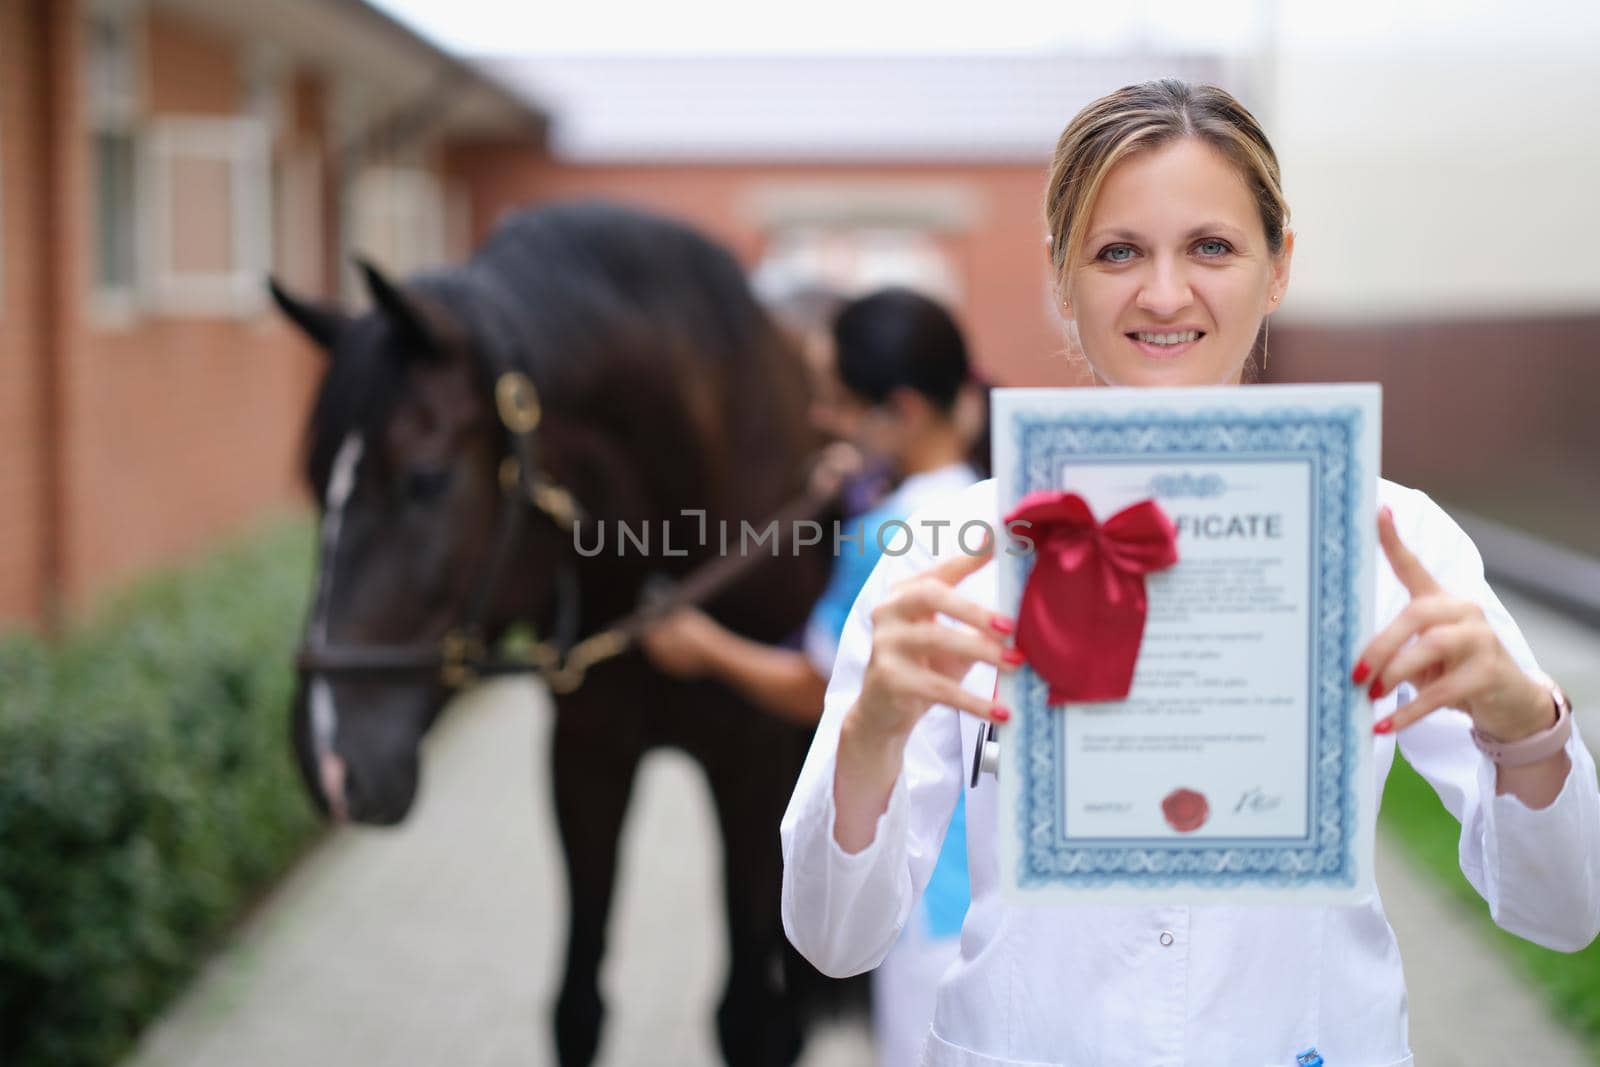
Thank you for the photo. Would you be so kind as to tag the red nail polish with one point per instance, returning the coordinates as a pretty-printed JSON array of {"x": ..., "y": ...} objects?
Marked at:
[
  {"x": 1014, "y": 657},
  {"x": 1000, "y": 713},
  {"x": 1377, "y": 689},
  {"x": 1361, "y": 672},
  {"x": 1001, "y": 625},
  {"x": 1383, "y": 726}
]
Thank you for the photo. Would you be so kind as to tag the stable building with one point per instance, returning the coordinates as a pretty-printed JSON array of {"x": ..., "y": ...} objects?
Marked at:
[{"x": 157, "y": 159}]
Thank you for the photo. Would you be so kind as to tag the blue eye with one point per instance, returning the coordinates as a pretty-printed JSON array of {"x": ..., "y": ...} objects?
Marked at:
[
  {"x": 1113, "y": 254},
  {"x": 1216, "y": 247}
]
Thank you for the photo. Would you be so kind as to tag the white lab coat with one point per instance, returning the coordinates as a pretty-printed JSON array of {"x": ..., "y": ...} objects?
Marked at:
[{"x": 1206, "y": 986}]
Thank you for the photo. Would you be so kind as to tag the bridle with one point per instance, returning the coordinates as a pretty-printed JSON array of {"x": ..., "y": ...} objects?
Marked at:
[{"x": 461, "y": 657}]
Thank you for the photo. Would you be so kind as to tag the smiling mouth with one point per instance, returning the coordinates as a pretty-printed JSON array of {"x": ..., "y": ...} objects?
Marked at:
[{"x": 1165, "y": 344}]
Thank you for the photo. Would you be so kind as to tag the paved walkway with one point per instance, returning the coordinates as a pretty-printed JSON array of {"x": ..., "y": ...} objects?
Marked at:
[{"x": 439, "y": 942}]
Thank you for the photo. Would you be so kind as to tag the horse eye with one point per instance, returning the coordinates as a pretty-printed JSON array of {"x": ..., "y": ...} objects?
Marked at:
[{"x": 427, "y": 484}]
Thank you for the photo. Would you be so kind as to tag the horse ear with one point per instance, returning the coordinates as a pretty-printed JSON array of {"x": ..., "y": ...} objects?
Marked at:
[
  {"x": 321, "y": 322},
  {"x": 399, "y": 307}
]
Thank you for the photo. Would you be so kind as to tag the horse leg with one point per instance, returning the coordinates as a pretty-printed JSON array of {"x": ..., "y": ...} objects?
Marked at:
[
  {"x": 593, "y": 776},
  {"x": 758, "y": 1024}
]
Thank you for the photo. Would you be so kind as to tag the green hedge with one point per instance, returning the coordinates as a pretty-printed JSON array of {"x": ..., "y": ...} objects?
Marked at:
[
  {"x": 1569, "y": 982},
  {"x": 146, "y": 792}
]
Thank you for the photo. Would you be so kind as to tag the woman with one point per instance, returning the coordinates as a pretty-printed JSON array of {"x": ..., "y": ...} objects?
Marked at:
[{"x": 1169, "y": 248}]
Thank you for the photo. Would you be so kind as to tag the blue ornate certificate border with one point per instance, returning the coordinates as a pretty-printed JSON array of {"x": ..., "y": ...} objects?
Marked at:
[{"x": 1329, "y": 440}]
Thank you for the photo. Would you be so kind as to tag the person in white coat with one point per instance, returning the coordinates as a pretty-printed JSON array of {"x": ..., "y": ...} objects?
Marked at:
[{"x": 1169, "y": 244}]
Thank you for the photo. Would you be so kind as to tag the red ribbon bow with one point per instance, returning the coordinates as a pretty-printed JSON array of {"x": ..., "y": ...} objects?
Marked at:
[{"x": 1083, "y": 608}]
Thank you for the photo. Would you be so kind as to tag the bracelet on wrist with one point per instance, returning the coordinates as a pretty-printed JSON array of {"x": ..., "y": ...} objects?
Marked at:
[{"x": 1539, "y": 746}]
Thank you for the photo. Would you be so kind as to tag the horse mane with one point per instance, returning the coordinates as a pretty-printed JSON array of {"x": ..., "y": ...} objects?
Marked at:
[{"x": 609, "y": 310}]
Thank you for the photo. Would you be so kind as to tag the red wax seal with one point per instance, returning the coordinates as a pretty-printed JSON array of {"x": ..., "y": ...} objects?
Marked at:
[{"x": 1185, "y": 809}]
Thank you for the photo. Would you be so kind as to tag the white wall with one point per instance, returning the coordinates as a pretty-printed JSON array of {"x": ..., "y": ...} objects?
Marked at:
[{"x": 1443, "y": 160}]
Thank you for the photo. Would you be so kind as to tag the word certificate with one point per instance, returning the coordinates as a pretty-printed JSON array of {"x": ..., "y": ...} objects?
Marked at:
[{"x": 1239, "y": 766}]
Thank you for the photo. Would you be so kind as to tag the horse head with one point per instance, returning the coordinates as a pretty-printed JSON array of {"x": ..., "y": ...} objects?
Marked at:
[{"x": 404, "y": 449}]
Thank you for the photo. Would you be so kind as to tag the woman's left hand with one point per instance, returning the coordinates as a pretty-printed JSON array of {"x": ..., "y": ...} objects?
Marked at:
[{"x": 1455, "y": 661}]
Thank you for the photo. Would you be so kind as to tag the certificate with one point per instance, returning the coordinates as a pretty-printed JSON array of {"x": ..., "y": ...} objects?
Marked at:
[{"x": 1238, "y": 768}]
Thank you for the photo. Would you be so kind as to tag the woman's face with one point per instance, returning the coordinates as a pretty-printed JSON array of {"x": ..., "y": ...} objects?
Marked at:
[{"x": 1175, "y": 276}]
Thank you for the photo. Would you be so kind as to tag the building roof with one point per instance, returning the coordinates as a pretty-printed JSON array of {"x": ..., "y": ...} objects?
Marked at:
[
  {"x": 352, "y": 36},
  {"x": 852, "y": 108}
]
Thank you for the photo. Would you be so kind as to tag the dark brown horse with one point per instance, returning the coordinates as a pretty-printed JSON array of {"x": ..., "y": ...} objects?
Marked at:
[{"x": 662, "y": 387}]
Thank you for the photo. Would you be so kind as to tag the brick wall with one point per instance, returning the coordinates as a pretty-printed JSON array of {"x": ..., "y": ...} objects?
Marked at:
[
  {"x": 191, "y": 71},
  {"x": 181, "y": 428},
  {"x": 132, "y": 440},
  {"x": 23, "y": 235},
  {"x": 1495, "y": 415}
]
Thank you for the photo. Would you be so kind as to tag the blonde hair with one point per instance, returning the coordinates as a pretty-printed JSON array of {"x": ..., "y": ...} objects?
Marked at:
[{"x": 1141, "y": 117}]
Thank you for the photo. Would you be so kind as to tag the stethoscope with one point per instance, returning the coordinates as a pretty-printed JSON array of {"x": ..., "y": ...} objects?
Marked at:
[{"x": 986, "y": 754}]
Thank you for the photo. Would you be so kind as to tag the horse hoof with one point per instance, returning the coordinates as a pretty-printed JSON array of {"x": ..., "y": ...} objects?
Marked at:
[{"x": 578, "y": 1030}]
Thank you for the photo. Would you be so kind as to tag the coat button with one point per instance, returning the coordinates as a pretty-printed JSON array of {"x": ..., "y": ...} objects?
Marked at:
[{"x": 1166, "y": 939}]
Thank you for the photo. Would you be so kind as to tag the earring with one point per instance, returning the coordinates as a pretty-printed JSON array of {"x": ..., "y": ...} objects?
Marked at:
[{"x": 1266, "y": 335}]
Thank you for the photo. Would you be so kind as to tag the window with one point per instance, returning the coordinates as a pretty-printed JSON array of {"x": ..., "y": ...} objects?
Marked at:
[
  {"x": 853, "y": 236},
  {"x": 392, "y": 203},
  {"x": 857, "y": 259},
  {"x": 399, "y": 218},
  {"x": 113, "y": 102},
  {"x": 210, "y": 218}
]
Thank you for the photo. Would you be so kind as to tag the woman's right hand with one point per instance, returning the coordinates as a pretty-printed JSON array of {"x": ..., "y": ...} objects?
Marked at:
[{"x": 918, "y": 661}]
